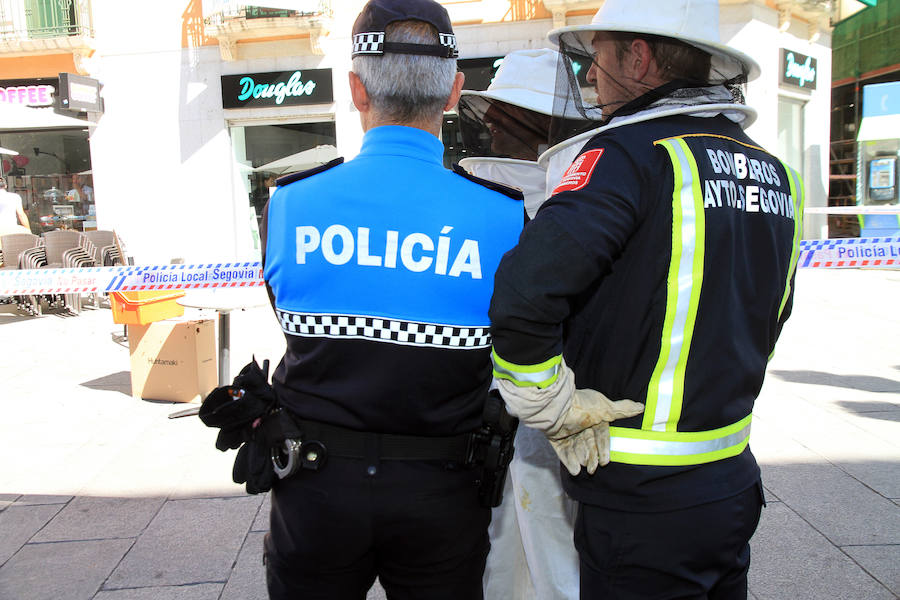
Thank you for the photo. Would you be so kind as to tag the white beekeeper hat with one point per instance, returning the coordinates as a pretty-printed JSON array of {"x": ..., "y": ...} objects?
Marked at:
[
  {"x": 695, "y": 22},
  {"x": 526, "y": 78}
]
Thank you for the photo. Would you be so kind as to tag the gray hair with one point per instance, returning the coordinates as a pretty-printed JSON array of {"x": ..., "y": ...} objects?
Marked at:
[{"x": 407, "y": 88}]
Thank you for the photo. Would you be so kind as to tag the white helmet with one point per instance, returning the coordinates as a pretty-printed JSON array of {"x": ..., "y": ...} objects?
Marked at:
[{"x": 695, "y": 22}]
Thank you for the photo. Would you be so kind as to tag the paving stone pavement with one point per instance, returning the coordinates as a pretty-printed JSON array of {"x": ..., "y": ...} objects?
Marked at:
[{"x": 103, "y": 497}]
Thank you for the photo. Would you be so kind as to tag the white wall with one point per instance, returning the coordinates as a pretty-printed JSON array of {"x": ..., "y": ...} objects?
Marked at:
[
  {"x": 160, "y": 152},
  {"x": 753, "y": 29}
]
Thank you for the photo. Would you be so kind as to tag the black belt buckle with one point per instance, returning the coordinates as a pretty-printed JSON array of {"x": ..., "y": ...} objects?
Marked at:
[{"x": 313, "y": 455}]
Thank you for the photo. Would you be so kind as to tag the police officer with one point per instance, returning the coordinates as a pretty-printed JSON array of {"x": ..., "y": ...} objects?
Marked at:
[
  {"x": 660, "y": 270},
  {"x": 380, "y": 270},
  {"x": 505, "y": 128}
]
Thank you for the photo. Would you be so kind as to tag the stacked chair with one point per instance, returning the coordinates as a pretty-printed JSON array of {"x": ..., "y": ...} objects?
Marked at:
[
  {"x": 50, "y": 256},
  {"x": 12, "y": 247},
  {"x": 59, "y": 249}
]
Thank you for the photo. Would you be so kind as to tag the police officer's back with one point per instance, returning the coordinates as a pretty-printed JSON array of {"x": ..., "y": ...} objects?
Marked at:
[{"x": 380, "y": 271}]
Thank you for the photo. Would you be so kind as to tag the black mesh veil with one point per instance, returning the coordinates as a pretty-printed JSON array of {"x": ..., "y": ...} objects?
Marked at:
[
  {"x": 577, "y": 82},
  {"x": 494, "y": 128}
]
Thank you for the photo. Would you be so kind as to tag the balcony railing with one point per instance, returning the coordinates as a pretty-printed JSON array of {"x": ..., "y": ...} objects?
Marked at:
[
  {"x": 216, "y": 12},
  {"x": 34, "y": 27},
  {"x": 42, "y": 19},
  {"x": 230, "y": 21}
]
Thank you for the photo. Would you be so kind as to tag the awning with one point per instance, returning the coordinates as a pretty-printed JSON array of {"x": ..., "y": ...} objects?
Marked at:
[
  {"x": 883, "y": 127},
  {"x": 880, "y": 112},
  {"x": 302, "y": 160},
  {"x": 15, "y": 117}
]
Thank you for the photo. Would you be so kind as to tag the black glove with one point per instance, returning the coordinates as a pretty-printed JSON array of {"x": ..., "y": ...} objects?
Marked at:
[
  {"x": 229, "y": 439},
  {"x": 233, "y": 408},
  {"x": 253, "y": 466}
]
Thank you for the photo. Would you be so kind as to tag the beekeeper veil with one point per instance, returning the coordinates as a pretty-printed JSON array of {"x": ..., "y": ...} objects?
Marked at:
[{"x": 506, "y": 127}]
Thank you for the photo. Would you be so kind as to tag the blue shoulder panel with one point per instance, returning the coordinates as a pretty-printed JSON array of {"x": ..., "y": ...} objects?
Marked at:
[{"x": 388, "y": 236}]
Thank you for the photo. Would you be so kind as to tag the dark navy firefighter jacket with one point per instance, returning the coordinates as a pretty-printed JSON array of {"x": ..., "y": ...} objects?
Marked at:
[
  {"x": 381, "y": 271},
  {"x": 661, "y": 267}
]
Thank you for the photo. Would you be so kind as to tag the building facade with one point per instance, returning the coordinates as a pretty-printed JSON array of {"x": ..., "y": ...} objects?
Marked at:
[
  {"x": 205, "y": 103},
  {"x": 865, "y": 123}
]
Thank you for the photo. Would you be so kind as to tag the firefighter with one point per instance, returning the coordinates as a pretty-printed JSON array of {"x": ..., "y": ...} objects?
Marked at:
[{"x": 650, "y": 290}]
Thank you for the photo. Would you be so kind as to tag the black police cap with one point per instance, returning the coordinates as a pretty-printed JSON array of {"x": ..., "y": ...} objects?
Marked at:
[{"x": 376, "y": 15}]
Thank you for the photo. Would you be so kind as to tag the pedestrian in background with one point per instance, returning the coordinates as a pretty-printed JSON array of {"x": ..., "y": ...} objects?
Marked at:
[{"x": 12, "y": 214}]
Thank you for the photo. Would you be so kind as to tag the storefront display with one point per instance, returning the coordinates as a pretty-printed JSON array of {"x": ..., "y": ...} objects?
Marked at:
[
  {"x": 52, "y": 170},
  {"x": 879, "y": 153},
  {"x": 52, "y": 174},
  {"x": 266, "y": 152}
]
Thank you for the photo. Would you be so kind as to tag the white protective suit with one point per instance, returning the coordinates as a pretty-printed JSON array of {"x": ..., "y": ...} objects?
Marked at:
[{"x": 532, "y": 554}]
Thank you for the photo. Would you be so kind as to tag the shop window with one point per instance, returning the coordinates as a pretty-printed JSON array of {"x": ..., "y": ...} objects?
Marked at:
[
  {"x": 52, "y": 173},
  {"x": 790, "y": 132},
  {"x": 452, "y": 138},
  {"x": 265, "y": 152}
]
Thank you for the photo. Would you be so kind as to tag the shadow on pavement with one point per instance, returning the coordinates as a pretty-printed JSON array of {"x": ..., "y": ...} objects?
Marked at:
[
  {"x": 873, "y": 410},
  {"x": 117, "y": 382},
  {"x": 866, "y": 383}
]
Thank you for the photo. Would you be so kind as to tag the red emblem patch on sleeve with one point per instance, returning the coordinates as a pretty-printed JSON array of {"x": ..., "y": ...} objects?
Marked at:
[{"x": 579, "y": 172}]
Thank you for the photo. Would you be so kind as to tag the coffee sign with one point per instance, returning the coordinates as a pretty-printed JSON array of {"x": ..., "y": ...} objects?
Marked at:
[
  {"x": 28, "y": 92},
  {"x": 284, "y": 88},
  {"x": 798, "y": 69}
]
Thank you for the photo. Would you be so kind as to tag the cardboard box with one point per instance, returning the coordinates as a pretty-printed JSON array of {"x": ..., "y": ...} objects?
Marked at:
[{"x": 173, "y": 360}]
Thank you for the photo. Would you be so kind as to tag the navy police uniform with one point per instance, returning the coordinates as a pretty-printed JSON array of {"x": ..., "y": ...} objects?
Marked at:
[
  {"x": 380, "y": 272},
  {"x": 674, "y": 243}
]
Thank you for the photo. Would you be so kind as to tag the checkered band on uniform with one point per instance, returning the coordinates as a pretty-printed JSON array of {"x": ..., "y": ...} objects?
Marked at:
[
  {"x": 368, "y": 43},
  {"x": 408, "y": 333}
]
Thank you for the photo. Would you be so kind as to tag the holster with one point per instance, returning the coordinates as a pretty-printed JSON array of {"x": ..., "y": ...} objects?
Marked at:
[{"x": 492, "y": 445}]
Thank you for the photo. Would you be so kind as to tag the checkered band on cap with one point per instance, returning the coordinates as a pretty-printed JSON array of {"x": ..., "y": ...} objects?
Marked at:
[
  {"x": 378, "y": 329},
  {"x": 372, "y": 43},
  {"x": 449, "y": 40},
  {"x": 368, "y": 43}
]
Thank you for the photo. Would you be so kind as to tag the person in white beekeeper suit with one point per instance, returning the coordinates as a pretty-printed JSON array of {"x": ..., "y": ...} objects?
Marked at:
[{"x": 507, "y": 126}]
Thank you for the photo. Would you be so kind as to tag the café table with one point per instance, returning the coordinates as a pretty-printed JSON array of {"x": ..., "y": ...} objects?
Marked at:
[{"x": 225, "y": 301}]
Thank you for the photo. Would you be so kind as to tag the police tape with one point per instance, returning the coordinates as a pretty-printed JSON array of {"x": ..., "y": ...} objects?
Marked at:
[
  {"x": 850, "y": 252},
  {"x": 132, "y": 278},
  {"x": 835, "y": 253}
]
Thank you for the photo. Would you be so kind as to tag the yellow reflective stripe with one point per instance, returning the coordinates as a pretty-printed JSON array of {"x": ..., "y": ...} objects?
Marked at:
[
  {"x": 665, "y": 394},
  {"x": 540, "y": 375},
  {"x": 710, "y": 135},
  {"x": 798, "y": 194},
  {"x": 674, "y": 448}
]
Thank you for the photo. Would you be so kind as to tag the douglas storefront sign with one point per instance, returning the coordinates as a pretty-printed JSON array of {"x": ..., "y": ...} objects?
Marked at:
[
  {"x": 798, "y": 69},
  {"x": 286, "y": 88}
]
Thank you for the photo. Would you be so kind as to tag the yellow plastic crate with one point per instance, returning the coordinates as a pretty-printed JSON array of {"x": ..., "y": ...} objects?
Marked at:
[{"x": 140, "y": 308}]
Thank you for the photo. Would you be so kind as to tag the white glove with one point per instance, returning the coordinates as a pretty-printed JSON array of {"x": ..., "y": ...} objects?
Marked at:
[{"x": 576, "y": 422}]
